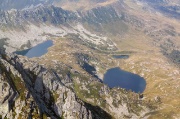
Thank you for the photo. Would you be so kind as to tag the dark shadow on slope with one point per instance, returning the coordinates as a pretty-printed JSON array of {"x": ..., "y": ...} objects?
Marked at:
[
  {"x": 44, "y": 104},
  {"x": 23, "y": 52},
  {"x": 98, "y": 112},
  {"x": 83, "y": 61}
]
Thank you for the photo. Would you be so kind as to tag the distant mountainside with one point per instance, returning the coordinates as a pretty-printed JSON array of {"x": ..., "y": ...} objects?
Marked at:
[
  {"x": 20, "y": 4},
  {"x": 80, "y": 4},
  {"x": 93, "y": 17},
  {"x": 46, "y": 16},
  {"x": 162, "y": 1},
  {"x": 168, "y": 7},
  {"x": 38, "y": 14}
]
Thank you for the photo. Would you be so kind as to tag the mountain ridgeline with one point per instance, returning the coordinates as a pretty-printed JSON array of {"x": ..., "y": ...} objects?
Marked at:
[
  {"x": 20, "y": 4},
  {"x": 37, "y": 15},
  {"x": 99, "y": 19},
  {"x": 67, "y": 82}
]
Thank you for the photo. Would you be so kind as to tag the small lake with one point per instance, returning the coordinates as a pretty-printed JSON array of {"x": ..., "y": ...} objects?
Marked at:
[
  {"x": 116, "y": 77},
  {"x": 36, "y": 51},
  {"x": 121, "y": 56}
]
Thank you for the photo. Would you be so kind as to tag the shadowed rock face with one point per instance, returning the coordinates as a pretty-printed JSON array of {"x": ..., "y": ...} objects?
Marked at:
[
  {"x": 25, "y": 85},
  {"x": 38, "y": 14}
]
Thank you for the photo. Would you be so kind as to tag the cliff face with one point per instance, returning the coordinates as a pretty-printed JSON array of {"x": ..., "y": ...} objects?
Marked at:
[{"x": 28, "y": 90}]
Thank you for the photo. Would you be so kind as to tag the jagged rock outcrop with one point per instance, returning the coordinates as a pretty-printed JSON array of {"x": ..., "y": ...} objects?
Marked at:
[
  {"x": 38, "y": 14},
  {"x": 28, "y": 90}
]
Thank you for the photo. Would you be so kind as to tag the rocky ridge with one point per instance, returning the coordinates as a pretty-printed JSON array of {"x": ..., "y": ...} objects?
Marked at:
[{"x": 29, "y": 90}]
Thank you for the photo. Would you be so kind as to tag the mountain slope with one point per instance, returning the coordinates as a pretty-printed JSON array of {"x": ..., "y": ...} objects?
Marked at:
[
  {"x": 40, "y": 92},
  {"x": 166, "y": 7},
  {"x": 20, "y": 4},
  {"x": 25, "y": 85},
  {"x": 91, "y": 34}
]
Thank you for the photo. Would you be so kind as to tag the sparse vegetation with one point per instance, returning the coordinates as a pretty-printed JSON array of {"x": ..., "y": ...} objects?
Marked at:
[{"x": 152, "y": 41}]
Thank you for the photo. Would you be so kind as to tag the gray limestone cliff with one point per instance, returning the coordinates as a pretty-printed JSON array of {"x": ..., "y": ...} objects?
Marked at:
[{"x": 28, "y": 90}]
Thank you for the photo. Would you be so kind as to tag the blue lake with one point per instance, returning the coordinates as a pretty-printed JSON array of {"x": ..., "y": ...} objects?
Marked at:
[
  {"x": 37, "y": 51},
  {"x": 121, "y": 56},
  {"x": 116, "y": 77}
]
